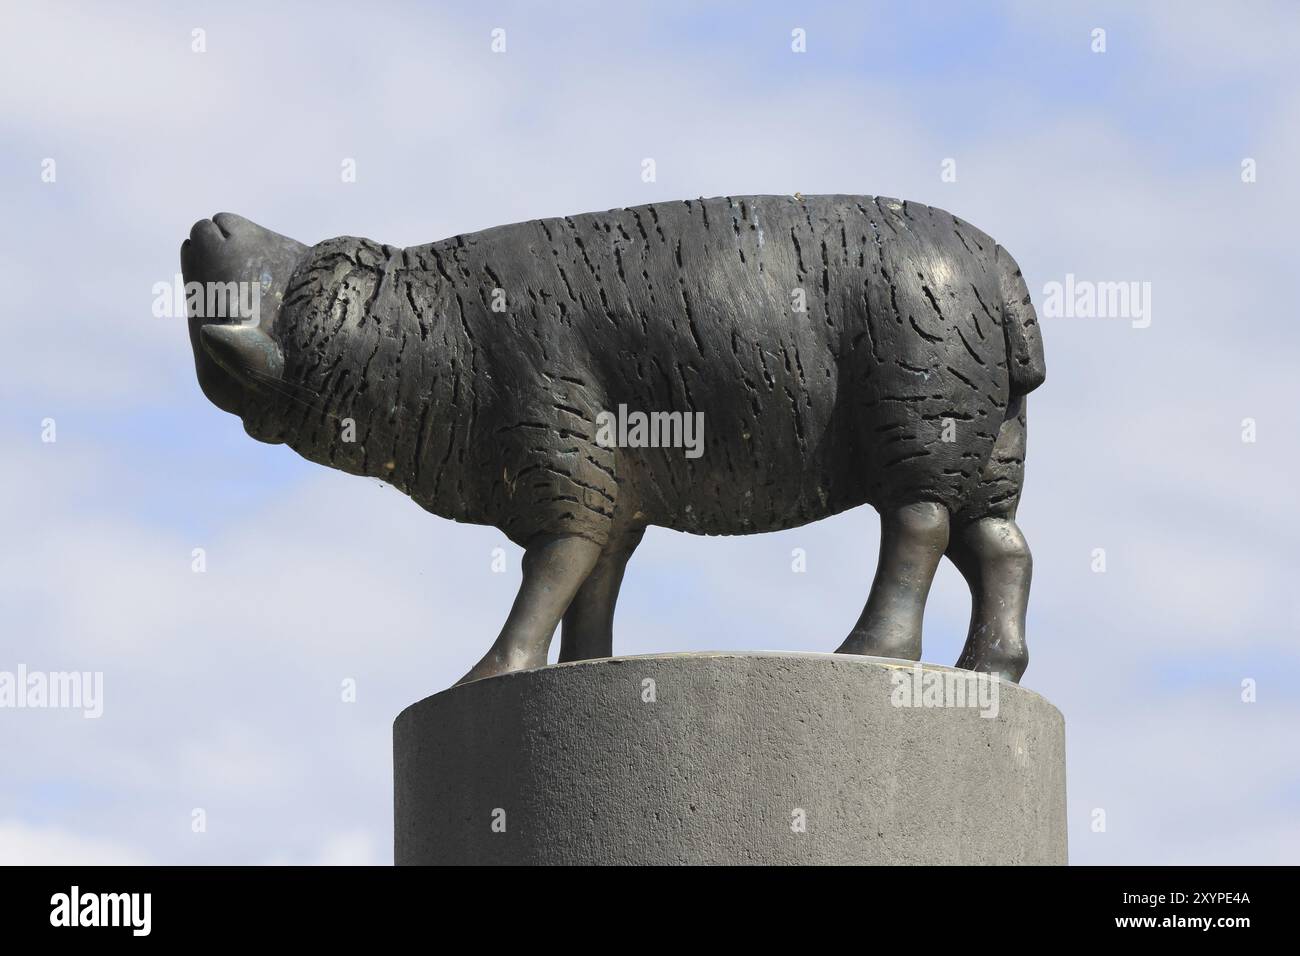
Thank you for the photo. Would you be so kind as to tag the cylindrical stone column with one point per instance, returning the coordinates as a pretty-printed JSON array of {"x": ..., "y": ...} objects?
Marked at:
[{"x": 731, "y": 758}]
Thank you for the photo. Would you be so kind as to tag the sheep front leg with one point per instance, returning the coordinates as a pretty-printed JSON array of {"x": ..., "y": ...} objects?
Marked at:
[{"x": 555, "y": 567}]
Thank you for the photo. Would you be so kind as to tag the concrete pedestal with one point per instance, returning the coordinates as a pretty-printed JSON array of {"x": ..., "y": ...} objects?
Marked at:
[{"x": 731, "y": 758}]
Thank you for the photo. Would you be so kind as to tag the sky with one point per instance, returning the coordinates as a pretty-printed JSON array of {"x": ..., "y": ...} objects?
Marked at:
[{"x": 1165, "y": 446}]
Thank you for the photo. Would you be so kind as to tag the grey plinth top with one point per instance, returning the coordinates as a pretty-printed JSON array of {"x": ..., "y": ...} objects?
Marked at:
[{"x": 731, "y": 758}]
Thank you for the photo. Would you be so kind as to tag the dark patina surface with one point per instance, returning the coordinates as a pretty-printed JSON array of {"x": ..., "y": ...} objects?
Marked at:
[{"x": 837, "y": 350}]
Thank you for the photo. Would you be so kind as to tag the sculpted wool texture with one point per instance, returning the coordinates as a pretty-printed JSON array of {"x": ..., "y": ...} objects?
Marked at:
[
  {"x": 842, "y": 350},
  {"x": 790, "y": 357}
]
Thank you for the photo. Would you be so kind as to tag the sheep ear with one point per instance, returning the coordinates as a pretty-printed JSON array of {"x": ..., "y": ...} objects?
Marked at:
[{"x": 245, "y": 351}]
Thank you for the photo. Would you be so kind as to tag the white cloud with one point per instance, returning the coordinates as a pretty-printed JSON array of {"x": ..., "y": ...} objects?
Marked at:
[{"x": 22, "y": 844}]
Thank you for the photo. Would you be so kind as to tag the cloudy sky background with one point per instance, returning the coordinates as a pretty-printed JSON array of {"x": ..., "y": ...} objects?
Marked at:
[{"x": 222, "y": 689}]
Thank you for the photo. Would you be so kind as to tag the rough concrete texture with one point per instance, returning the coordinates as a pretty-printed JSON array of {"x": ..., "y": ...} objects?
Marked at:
[{"x": 719, "y": 758}]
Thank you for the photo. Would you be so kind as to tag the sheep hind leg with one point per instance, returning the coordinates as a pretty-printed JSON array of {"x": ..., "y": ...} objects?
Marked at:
[
  {"x": 912, "y": 541},
  {"x": 993, "y": 556},
  {"x": 991, "y": 553}
]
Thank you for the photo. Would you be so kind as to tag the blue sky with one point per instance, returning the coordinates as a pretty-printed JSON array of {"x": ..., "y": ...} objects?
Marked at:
[{"x": 222, "y": 688}]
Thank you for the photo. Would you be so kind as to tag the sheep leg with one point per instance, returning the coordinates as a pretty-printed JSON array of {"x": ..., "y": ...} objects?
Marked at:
[
  {"x": 588, "y": 629},
  {"x": 912, "y": 540},
  {"x": 994, "y": 558},
  {"x": 555, "y": 567}
]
